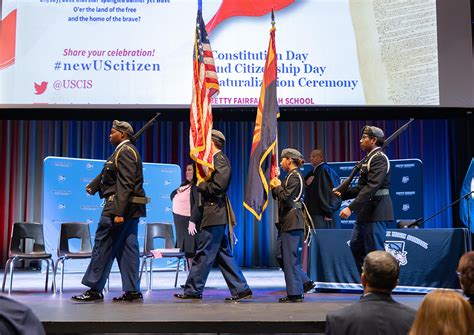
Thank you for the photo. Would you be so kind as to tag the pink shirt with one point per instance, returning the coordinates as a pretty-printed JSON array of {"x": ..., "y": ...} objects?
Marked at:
[{"x": 182, "y": 202}]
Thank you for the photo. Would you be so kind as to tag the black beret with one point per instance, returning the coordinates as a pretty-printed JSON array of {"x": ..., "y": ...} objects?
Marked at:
[
  {"x": 373, "y": 131},
  {"x": 291, "y": 153},
  {"x": 217, "y": 135},
  {"x": 123, "y": 126}
]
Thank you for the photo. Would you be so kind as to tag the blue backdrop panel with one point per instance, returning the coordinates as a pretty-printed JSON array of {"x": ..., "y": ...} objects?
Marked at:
[
  {"x": 428, "y": 258},
  {"x": 406, "y": 187},
  {"x": 65, "y": 200}
]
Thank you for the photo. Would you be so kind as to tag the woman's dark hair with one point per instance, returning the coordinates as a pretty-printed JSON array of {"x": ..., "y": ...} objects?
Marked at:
[
  {"x": 194, "y": 180},
  {"x": 297, "y": 162}
]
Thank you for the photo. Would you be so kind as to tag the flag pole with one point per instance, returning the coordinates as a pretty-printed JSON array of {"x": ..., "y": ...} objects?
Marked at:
[
  {"x": 278, "y": 115},
  {"x": 275, "y": 150}
]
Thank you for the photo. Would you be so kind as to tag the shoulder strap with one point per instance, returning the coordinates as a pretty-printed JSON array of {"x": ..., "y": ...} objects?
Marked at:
[
  {"x": 120, "y": 151},
  {"x": 298, "y": 197},
  {"x": 378, "y": 154}
]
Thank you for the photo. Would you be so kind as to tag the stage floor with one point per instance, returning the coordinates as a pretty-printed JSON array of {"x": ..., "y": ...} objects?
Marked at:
[{"x": 160, "y": 312}]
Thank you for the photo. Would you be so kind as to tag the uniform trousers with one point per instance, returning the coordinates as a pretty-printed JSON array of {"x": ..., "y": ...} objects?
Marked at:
[
  {"x": 289, "y": 244},
  {"x": 213, "y": 246},
  {"x": 114, "y": 241},
  {"x": 367, "y": 237}
]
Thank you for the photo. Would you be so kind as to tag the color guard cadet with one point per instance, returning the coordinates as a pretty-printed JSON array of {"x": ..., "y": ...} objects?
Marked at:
[
  {"x": 291, "y": 225},
  {"x": 372, "y": 202},
  {"x": 120, "y": 184},
  {"x": 213, "y": 243}
]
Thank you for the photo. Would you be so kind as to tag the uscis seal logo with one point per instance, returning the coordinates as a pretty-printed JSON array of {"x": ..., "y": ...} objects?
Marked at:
[
  {"x": 167, "y": 182},
  {"x": 405, "y": 207},
  {"x": 397, "y": 249},
  {"x": 61, "y": 178},
  {"x": 89, "y": 166},
  {"x": 405, "y": 179},
  {"x": 90, "y": 221},
  {"x": 61, "y": 206}
]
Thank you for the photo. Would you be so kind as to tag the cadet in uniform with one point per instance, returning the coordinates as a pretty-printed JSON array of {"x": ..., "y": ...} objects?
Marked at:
[
  {"x": 290, "y": 227},
  {"x": 213, "y": 244},
  {"x": 372, "y": 202},
  {"x": 120, "y": 184}
]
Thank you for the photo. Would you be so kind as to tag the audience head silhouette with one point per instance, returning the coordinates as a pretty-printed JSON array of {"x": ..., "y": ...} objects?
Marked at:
[{"x": 380, "y": 272}]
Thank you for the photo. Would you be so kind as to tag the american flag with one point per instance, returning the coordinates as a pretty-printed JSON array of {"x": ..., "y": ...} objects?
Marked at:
[{"x": 205, "y": 85}]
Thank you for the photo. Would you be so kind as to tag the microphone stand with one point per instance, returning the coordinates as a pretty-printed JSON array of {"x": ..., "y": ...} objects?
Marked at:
[
  {"x": 418, "y": 222},
  {"x": 468, "y": 197}
]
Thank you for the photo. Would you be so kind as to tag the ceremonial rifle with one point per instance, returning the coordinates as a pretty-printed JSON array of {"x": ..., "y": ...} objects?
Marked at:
[
  {"x": 135, "y": 137},
  {"x": 345, "y": 184}
]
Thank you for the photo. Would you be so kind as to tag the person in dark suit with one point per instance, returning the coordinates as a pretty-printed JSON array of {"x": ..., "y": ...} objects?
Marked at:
[
  {"x": 376, "y": 312},
  {"x": 465, "y": 272},
  {"x": 372, "y": 202},
  {"x": 120, "y": 184},
  {"x": 321, "y": 202},
  {"x": 16, "y": 318},
  {"x": 213, "y": 243},
  {"x": 289, "y": 194}
]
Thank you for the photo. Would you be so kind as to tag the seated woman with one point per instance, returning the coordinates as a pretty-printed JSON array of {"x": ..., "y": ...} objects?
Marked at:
[
  {"x": 443, "y": 312},
  {"x": 181, "y": 199}
]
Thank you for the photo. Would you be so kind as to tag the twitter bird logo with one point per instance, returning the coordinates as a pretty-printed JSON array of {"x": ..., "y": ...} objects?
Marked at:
[{"x": 40, "y": 88}]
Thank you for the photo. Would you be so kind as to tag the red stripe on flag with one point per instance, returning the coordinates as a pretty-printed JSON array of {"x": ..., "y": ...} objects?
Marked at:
[{"x": 205, "y": 85}]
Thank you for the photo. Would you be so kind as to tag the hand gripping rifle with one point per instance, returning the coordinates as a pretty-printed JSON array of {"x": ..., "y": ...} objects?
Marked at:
[
  {"x": 94, "y": 184},
  {"x": 345, "y": 184}
]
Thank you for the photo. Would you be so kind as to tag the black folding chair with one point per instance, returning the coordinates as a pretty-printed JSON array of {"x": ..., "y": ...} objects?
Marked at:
[
  {"x": 22, "y": 231},
  {"x": 160, "y": 231},
  {"x": 69, "y": 231}
]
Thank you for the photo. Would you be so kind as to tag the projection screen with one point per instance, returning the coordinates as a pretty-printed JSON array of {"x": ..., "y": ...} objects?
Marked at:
[{"x": 138, "y": 53}]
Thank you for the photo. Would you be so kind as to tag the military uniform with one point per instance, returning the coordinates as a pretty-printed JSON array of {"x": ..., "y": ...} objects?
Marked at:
[
  {"x": 372, "y": 205},
  {"x": 291, "y": 230},
  {"x": 212, "y": 241},
  {"x": 121, "y": 186},
  {"x": 319, "y": 198}
]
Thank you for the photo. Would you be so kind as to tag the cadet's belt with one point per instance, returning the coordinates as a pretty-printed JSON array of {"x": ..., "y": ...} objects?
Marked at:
[
  {"x": 297, "y": 205},
  {"x": 382, "y": 191},
  {"x": 133, "y": 199}
]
